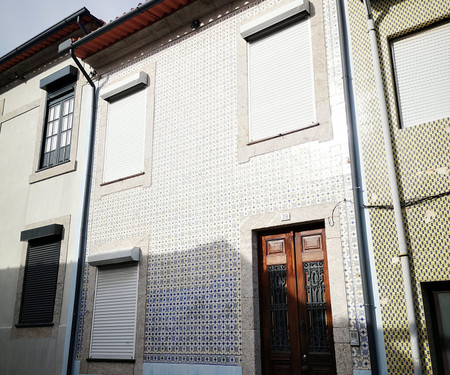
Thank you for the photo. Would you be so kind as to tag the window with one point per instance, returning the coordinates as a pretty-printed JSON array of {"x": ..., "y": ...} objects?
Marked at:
[
  {"x": 115, "y": 304},
  {"x": 280, "y": 82},
  {"x": 422, "y": 75},
  {"x": 437, "y": 305},
  {"x": 125, "y": 132},
  {"x": 283, "y": 95},
  {"x": 40, "y": 276},
  {"x": 125, "y": 129},
  {"x": 57, "y": 134},
  {"x": 58, "y": 130}
]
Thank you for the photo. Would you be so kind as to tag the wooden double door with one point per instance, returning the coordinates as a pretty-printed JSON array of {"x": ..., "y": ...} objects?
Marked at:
[{"x": 296, "y": 326}]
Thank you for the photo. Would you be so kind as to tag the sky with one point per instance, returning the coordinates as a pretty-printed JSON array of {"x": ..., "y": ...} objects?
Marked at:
[{"x": 21, "y": 20}]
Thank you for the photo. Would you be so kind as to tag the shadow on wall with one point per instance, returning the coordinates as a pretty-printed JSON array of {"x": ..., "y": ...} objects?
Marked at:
[
  {"x": 193, "y": 310},
  {"x": 27, "y": 350}
]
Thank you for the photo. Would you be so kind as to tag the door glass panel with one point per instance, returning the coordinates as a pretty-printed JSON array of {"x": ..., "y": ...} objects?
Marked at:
[
  {"x": 278, "y": 308},
  {"x": 316, "y": 307}
]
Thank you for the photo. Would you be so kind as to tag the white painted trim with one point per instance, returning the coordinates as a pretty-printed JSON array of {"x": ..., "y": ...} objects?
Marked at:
[
  {"x": 279, "y": 15},
  {"x": 114, "y": 257},
  {"x": 139, "y": 79}
]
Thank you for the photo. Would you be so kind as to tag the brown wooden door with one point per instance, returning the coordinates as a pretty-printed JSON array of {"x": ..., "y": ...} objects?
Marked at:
[{"x": 295, "y": 304}]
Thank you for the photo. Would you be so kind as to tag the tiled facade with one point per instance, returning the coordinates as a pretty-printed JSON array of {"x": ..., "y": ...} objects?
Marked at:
[
  {"x": 190, "y": 217},
  {"x": 422, "y": 161}
]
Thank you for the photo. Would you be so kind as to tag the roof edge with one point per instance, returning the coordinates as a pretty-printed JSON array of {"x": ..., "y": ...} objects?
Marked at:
[
  {"x": 46, "y": 33},
  {"x": 65, "y": 47}
]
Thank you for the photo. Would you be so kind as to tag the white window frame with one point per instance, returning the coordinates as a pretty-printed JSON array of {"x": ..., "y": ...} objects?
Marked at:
[
  {"x": 112, "y": 91},
  {"x": 421, "y": 75},
  {"x": 114, "y": 323},
  {"x": 269, "y": 21},
  {"x": 278, "y": 65}
]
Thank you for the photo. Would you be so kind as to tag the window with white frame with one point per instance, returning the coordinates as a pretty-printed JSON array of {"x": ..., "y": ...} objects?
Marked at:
[
  {"x": 281, "y": 82},
  {"x": 57, "y": 137},
  {"x": 125, "y": 129},
  {"x": 114, "y": 315},
  {"x": 422, "y": 75}
]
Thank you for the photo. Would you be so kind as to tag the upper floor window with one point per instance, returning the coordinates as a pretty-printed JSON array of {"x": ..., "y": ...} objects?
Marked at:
[
  {"x": 125, "y": 132},
  {"x": 422, "y": 75},
  {"x": 57, "y": 132},
  {"x": 283, "y": 95},
  {"x": 125, "y": 135},
  {"x": 280, "y": 82}
]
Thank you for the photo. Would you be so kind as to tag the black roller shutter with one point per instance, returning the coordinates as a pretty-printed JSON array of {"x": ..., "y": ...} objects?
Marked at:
[{"x": 40, "y": 281}]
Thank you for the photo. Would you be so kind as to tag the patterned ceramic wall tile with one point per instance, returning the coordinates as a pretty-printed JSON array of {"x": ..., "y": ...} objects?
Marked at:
[
  {"x": 191, "y": 213},
  {"x": 422, "y": 161}
]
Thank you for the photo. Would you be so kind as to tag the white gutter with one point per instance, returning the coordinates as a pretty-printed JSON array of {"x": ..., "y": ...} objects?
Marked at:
[{"x": 403, "y": 249}]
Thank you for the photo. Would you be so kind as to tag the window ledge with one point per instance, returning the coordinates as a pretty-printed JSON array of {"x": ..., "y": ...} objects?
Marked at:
[
  {"x": 57, "y": 170},
  {"x": 34, "y": 325},
  {"x": 110, "y": 360},
  {"x": 319, "y": 132},
  {"x": 122, "y": 179}
]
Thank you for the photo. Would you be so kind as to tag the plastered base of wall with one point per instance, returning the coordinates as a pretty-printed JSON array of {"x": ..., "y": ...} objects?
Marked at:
[{"x": 177, "y": 369}]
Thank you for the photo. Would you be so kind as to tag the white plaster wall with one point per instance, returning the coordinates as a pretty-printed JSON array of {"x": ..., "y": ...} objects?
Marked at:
[{"x": 23, "y": 204}]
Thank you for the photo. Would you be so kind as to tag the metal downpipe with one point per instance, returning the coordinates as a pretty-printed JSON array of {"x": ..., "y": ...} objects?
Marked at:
[
  {"x": 356, "y": 171},
  {"x": 403, "y": 249},
  {"x": 85, "y": 217}
]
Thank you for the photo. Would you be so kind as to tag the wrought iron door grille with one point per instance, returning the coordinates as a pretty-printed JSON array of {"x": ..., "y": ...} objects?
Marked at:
[
  {"x": 279, "y": 308},
  {"x": 316, "y": 306}
]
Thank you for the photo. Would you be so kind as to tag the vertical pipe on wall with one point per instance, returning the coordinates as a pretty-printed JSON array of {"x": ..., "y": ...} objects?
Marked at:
[
  {"x": 84, "y": 221},
  {"x": 377, "y": 361},
  {"x": 403, "y": 250}
]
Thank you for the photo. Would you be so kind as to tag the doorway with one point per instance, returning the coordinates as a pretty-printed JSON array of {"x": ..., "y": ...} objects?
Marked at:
[{"x": 296, "y": 325}]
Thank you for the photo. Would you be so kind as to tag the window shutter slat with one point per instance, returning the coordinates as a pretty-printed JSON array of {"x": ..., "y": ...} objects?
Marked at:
[
  {"x": 114, "y": 320},
  {"x": 281, "y": 82},
  {"x": 125, "y": 135},
  {"x": 422, "y": 68},
  {"x": 40, "y": 281}
]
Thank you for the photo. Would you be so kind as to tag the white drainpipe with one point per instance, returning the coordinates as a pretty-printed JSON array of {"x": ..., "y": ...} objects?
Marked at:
[{"x": 403, "y": 250}]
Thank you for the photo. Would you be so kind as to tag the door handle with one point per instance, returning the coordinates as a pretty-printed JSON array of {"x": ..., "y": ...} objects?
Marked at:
[{"x": 305, "y": 364}]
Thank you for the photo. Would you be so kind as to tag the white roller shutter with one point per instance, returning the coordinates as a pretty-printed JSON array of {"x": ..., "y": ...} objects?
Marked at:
[
  {"x": 125, "y": 136},
  {"x": 281, "y": 82},
  {"x": 422, "y": 68},
  {"x": 114, "y": 319}
]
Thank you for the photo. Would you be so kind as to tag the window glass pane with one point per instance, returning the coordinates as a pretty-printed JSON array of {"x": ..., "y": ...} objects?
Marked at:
[
  {"x": 72, "y": 100},
  {"x": 47, "y": 144},
  {"x": 56, "y": 113},
  {"x": 63, "y": 139},
  {"x": 51, "y": 114},
  {"x": 55, "y": 127},
  {"x": 64, "y": 124},
  {"x": 69, "y": 121},
  {"x": 53, "y": 146},
  {"x": 66, "y": 107},
  {"x": 49, "y": 129}
]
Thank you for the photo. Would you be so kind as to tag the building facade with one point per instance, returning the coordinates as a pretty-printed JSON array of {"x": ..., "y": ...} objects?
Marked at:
[
  {"x": 221, "y": 231},
  {"x": 413, "y": 51},
  {"x": 45, "y": 115}
]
